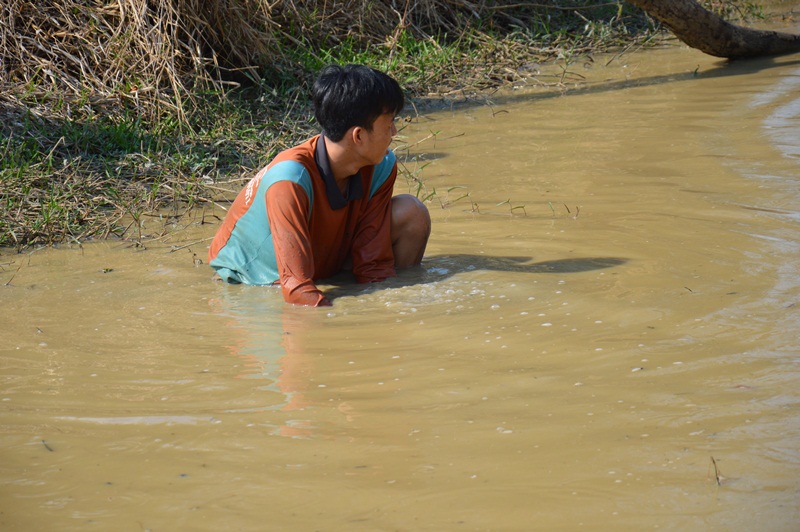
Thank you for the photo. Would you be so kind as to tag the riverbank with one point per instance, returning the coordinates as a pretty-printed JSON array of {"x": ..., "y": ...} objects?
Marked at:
[{"x": 95, "y": 149}]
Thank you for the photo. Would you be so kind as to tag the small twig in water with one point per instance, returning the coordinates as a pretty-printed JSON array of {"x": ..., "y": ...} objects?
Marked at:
[
  {"x": 173, "y": 250},
  {"x": 8, "y": 283},
  {"x": 512, "y": 207},
  {"x": 717, "y": 475}
]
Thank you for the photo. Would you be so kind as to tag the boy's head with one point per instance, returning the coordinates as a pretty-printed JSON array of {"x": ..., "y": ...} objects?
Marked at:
[{"x": 353, "y": 95}]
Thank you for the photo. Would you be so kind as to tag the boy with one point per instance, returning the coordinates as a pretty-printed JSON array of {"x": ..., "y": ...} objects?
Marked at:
[{"x": 327, "y": 204}]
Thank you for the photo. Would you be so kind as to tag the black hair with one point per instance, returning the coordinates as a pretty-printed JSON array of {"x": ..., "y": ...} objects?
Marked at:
[{"x": 353, "y": 95}]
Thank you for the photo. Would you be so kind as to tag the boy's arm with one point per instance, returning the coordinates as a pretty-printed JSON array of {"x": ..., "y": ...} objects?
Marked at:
[
  {"x": 287, "y": 210},
  {"x": 373, "y": 259}
]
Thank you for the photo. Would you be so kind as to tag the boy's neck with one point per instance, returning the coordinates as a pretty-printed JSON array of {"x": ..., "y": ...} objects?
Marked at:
[{"x": 343, "y": 160}]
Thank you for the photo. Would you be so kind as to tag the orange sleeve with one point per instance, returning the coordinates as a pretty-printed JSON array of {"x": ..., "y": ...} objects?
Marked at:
[
  {"x": 287, "y": 210},
  {"x": 373, "y": 260}
]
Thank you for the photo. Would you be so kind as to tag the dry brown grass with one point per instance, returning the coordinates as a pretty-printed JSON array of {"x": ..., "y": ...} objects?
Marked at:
[
  {"x": 135, "y": 53},
  {"x": 152, "y": 55}
]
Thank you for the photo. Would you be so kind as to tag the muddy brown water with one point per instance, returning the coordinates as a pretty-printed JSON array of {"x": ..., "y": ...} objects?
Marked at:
[{"x": 606, "y": 339}]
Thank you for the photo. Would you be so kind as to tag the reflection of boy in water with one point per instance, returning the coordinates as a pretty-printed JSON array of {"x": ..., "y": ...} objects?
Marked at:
[{"x": 327, "y": 204}]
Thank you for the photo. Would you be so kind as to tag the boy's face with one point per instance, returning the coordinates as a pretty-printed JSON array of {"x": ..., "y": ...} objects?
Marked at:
[{"x": 377, "y": 141}]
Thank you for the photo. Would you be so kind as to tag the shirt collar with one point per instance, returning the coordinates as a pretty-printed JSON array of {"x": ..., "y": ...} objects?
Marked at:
[{"x": 336, "y": 198}]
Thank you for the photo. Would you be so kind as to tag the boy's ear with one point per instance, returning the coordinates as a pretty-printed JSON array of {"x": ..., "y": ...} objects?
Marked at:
[{"x": 356, "y": 133}]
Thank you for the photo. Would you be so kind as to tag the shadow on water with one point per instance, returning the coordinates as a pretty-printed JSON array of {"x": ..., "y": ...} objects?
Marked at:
[
  {"x": 462, "y": 262},
  {"x": 441, "y": 267},
  {"x": 725, "y": 68}
]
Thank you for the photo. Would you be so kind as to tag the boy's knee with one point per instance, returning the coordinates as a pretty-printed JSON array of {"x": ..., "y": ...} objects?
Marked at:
[
  {"x": 411, "y": 227},
  {"x": 410, "y": 215}
]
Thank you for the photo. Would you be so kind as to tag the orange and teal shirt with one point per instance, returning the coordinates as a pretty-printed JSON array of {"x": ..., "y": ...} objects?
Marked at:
[{"x": 292, "y": 225}]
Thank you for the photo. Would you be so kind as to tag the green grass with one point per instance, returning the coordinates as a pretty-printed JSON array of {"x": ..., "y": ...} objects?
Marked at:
[{"x": 94, "y": 176}]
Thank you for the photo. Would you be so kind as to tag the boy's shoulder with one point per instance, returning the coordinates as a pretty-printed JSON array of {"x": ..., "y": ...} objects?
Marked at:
[
  {"x": 302, "y": 153},
  {"x": 295, "y": 164},
  {"x": 384, "y": 171}
]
